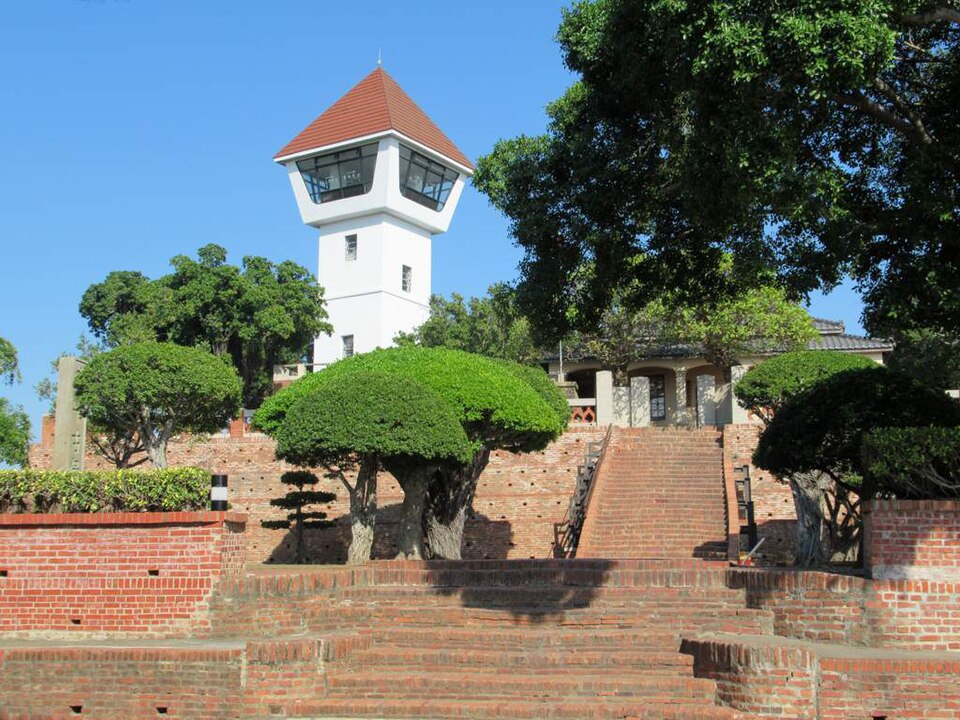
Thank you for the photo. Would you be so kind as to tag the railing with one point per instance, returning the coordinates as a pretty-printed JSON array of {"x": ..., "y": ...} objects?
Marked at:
[
  {"x": 566, "y": 534},
  {"x": 748, "y": 523}
]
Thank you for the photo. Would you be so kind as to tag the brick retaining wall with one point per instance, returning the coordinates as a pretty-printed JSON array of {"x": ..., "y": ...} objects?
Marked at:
[
  {"x": 913, "y": 540},
  {"x": 149, "y": 573}
]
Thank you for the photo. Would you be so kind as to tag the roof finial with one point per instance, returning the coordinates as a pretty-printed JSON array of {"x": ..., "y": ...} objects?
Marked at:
[{"x": 379, "y": 57}]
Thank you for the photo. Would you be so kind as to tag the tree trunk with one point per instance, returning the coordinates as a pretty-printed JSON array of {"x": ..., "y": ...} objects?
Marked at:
[
  {"x": 808, "y": 491},
  {"x": 414, "y": 484},
  {"x": 363, "y": 511},
  {"x": 157, "y": 454},
  {"x": 449, "y": 499}
]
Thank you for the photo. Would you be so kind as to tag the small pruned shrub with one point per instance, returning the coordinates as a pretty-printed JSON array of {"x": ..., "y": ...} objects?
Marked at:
[
  {"x": 49, "y": 491},
  {"x": 916, "y": 463}
]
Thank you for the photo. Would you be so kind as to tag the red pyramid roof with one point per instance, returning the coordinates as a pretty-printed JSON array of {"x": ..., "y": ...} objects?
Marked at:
[{"x": 375, "y": 104}]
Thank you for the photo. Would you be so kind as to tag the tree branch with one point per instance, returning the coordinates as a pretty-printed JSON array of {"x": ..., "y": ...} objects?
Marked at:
[
  {"x": 891, "y": 94},
  {"x": 878, "y": 112},
  {"x": 937, "y": 14}
]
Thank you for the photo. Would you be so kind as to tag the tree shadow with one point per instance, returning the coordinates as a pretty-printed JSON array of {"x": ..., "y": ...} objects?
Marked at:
[{"x": 532, "y": 591}]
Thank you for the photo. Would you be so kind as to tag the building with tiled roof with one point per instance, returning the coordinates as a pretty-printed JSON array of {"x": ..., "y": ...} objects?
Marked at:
[{"x": 378, "y": 179}]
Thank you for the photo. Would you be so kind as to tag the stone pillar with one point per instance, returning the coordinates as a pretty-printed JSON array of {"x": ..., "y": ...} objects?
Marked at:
[
  {"x": 604, "y": 397},
  {"x": 639, "y": 401},
  {"x": 70, "y": 431},
  {"x": 706, "y": 401},
  {"x": 680, "y": 416},
  {"x": 738, "y": 414}
]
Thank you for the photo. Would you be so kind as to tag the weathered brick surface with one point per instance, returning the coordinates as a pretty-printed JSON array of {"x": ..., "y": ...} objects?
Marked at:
[
  {"x": 913, "y": 539},
  {"x": 150, "y": 573},
  {"x": 658, "y": 493},
  {"x": 774, "y": 511},
  {"x": 519, "y": 497}
]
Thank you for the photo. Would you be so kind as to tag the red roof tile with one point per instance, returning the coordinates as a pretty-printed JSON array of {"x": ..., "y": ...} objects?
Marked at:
[{"x": 374, "y": 104}]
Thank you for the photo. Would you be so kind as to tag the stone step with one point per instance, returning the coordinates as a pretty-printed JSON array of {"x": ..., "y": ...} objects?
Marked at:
[
  {"x": 530, "y": 638},
  {"x": 474, "y": 708}
]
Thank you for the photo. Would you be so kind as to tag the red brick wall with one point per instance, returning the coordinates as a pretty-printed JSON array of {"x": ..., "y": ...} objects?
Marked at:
[
  {"x": 774, "y": 511},
  {"x": 821, "y": 607},
  {"x": 149, "y": 573},
  {"x": 913, "y": 539},
  {"x": 775, "y": 679},
  {"x": 519, "y": 497},
  {"x": 120, "y": 684}
]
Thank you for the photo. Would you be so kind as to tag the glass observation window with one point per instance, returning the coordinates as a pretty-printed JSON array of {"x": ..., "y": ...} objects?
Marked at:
[
  {"x": 658, "y": 398},
  {"x": 423, "y": 180},
  {"x": 347, "y": 345},
  {"x": 341, "y": 174},
  {"x": 350, "y": 247}
]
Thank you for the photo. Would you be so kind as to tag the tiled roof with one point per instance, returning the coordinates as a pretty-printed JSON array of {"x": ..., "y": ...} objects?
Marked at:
[
  {"x": 828, "y": 326},
  {"x": 375, "y": 104},
  {"x": 840, "y": 341}
]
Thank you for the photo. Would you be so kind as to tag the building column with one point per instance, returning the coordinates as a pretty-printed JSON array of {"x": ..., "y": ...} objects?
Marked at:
[
  {"x": 738, "y": 414},
  {"x": 680, "y": 415},
  {"x": 604, "y": 397},
  {"x": 706, "y": 400},
  {"x": 639, "y": 401}
]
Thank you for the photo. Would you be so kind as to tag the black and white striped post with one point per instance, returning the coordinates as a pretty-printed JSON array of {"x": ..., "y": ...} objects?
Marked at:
[{"x": 218, "y": 492}]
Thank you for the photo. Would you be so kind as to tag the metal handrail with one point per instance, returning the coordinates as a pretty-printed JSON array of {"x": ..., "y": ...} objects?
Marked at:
[{"x": 566, "y": 534}]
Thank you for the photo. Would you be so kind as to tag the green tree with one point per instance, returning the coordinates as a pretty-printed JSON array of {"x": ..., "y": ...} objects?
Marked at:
[
  {"x": 259, "y": 314},
  {"x": 497, "y": 406},
  {"x": 821, "y": 505},
  {"x": 149, "y": 392},
  {"x": 357, "y": 419},
  {"x": 928, "y": 356},
  {"x": 490, "y": 326},
  {"x": 295, "y": 501},
  {"x": 807, "y": 139},
  {"x": 14, "y": 423},
  {"x": 820, "y": 431},
  {"x": 9, "y": 367}
]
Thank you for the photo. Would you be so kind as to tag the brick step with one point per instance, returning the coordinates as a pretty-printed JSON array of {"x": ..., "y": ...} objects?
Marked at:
[
  {"x": 471, "y": 708},
  {"x": 507, "y": 661},
  {"x": 530, "y": 638},
  {"x": 414, "y": 684}
]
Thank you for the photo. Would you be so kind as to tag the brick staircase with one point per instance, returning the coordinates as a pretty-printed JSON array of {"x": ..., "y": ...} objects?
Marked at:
[
  {"x": 658, "y": 494},
  {"x": 494, "y": 639}
]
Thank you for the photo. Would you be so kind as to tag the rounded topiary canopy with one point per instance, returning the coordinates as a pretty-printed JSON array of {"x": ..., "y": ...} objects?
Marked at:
[
  {"x": 494, "y": 405},
  {"x": 365, "y": 412},
  {"x": 775, "y": 380}
]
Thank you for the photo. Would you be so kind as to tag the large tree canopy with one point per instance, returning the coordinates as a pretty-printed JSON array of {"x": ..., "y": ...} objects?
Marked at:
[
  {"x": 148, "y": 392},
  {"x": 259, "y": 314},
  {"x": 804, "y": 138},
  {"x": 14, "y": 423}
]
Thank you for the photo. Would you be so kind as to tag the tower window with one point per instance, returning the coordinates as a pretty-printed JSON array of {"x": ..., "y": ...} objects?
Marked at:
[
  {"x": 658, "y": 398},
  {"x": 406, "y": 280},
  {"x": 423, "y": 180},
  {"x": 341, "y": 174},
  {"x": 350, "y": 247},
  {"x": 347, "y": 345}
]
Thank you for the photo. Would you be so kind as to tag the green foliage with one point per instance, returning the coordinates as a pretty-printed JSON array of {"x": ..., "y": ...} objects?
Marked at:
[
  {"x": 46, "y": 388},
  {"x": 768, "y": 385},
  {"x": 295, "y": 501},
  {"x": 822, "y": 428},
  {"x": 495, "y": 407},
  {"x": 808, "y": 139},
  {"x": 9, "y": 368},
  {"x": 157, "y": 390},
  {"x": 46, "y": 491},
  {"x": 360, "y": 412},
  {"x": 258, "y": 315},
  {"x": 490, "y": 326},
  {"x": 915, "y": 462},
  {"x": 546, "y": 388},
  {"x": 14, "y": 434},
  {"x": 928, "y": 356}
]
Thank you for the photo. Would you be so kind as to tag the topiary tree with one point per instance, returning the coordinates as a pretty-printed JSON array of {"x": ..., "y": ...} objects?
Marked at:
[
  {"x": 818, "y": 501},
  {"x": 357, "y": 417},
  {"x": 295, "y": 501},
  {"x": 496, "y": 407},
  {"x": 821, "y": 430},
  {"x": 155, "y": 391}
]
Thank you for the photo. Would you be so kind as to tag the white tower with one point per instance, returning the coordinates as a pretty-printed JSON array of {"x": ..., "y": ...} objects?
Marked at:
[{"x": 378, "y": 179}]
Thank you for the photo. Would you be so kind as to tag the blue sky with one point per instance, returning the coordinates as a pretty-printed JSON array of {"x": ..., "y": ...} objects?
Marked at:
[{"x": 132, "y": 131}]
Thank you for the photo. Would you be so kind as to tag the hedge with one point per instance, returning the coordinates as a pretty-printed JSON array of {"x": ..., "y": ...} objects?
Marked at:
[
  {"x": 917, "y": 463},
  {"x": 50, "y": 491}
]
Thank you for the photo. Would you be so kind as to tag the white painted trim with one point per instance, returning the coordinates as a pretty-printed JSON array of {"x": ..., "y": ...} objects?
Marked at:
[{"x": 437, "y": 155}]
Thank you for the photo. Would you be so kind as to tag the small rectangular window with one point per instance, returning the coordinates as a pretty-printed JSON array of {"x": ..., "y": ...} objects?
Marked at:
[
  {"x": 350, "y": 247},
  {"x": 347, "y": 345},
  {"x": 407, "y": 279},
  {"x": 658, "y": 398}
]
